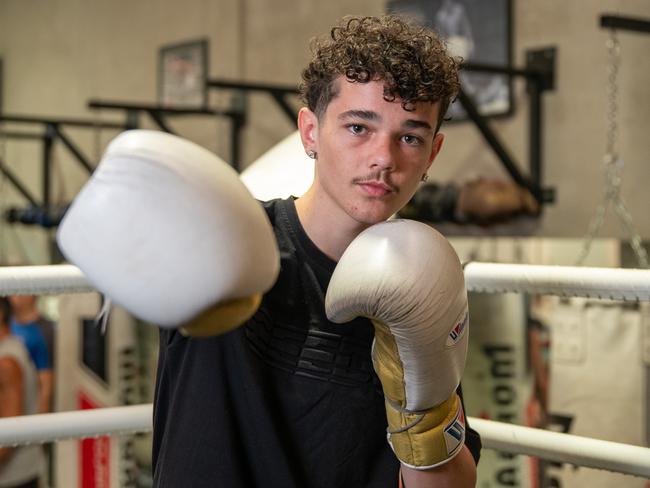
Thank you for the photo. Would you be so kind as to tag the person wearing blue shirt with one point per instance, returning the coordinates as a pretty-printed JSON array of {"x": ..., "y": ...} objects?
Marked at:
[{"x": 37, "y": 335}]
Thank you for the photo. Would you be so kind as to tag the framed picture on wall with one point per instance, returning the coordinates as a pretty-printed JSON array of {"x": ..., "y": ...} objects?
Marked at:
[
  {"x": 182, "y": 74},
  {"x": 479, "y": 31}
]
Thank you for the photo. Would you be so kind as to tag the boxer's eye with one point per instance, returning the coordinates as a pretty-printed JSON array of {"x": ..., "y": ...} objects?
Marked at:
[
  {"x": 356, "y": 129},
  {"x": 412, "y": 140}
]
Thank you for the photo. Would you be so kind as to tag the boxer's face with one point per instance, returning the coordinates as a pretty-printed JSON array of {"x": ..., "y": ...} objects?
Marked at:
[{"x": 371, "y": 153}]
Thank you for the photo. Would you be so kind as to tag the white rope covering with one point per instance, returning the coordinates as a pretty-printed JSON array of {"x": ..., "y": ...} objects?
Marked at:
[
  {"x": 42, "y": 280},
  {"x": 566, "y": 448},
  {"x": 580, "y": 451},
  {"x": 614, "y": 283},
  {"x": 49, "y": 427}
]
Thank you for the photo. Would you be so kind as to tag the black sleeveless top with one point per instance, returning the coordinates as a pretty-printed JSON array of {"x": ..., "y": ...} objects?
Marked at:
[{"x": 287, "y": 400}]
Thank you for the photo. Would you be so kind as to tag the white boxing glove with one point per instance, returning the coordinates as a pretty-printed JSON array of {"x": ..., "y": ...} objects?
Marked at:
[
  {"x": 408, "y": 280},
  {"x": 282, "y": 171},
  {"x": 168, "y": 231}
]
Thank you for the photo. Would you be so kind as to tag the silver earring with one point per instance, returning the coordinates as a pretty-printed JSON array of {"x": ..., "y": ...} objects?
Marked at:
[
  {"x": 311, "y": 154},
  {"x": 425, "y": 177}
]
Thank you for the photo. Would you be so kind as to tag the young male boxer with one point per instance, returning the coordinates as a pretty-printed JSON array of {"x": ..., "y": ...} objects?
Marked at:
[{"x": 297, "y": 396}]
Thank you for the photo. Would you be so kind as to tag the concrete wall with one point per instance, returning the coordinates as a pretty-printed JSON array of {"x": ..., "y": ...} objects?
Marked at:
[{"x": 58, "y": 54}]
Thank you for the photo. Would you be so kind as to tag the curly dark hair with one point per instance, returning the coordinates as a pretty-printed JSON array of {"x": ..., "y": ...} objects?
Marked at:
[{"x": 412, "y": 62}]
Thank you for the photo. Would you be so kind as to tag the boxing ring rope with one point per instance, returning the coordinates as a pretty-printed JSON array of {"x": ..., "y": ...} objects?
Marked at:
[
  {"x": 575, "y": 281},
  {"x": 565, "y": 448},
  {"x": 59, "y": 426},
  {"x": 553, "y": 446},
  {"x": 612, "y": 283},
  {"x": 620, "y": 284},
  {"x": 42, "y": 280}
]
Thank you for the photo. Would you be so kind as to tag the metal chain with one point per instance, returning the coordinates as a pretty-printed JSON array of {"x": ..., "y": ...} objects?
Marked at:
[
  {"x": 614, "y": 61},
  {"x": 613, "y": 166}
]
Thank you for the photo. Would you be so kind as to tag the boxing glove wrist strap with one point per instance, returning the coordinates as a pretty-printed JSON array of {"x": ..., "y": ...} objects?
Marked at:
[{"x": 426, "y": 439}]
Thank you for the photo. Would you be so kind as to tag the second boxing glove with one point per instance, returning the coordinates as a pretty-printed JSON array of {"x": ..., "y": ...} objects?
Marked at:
[
  {"x": 167, "y": 230},
  {"x": 407, "y": 279}
]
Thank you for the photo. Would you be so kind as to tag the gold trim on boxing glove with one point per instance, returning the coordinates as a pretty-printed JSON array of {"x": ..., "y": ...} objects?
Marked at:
[
  {"x": 222, "y": 318},
  {"x": 420, "y": 439},
  {"x": 388, "y": 364}
]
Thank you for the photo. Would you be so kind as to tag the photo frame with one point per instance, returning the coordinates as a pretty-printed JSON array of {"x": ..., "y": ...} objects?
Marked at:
[
  {"x": 479, "y": 31},
  {"x": 182, "y": 75}
]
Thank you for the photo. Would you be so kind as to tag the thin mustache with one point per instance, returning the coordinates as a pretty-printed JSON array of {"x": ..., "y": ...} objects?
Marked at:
[{"x": 373, "y": 178}]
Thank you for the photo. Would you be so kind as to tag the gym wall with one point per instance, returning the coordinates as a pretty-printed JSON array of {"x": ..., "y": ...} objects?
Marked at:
[{"x": 58, "y": 54}]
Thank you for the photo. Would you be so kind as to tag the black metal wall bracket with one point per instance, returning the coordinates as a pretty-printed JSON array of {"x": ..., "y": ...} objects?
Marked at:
[
  {"x": 159, "y": 114},
  {"x": 633, "y": 24},
  {"x": 53, "y": 131},
  {"x": 539, "y": 73},
  {"x": 279, "y": 93},
  {"x": 540, "y": 65}
]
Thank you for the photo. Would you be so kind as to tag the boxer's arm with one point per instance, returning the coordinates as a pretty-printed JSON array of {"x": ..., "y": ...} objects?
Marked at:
[{"x": 459, "y": 472}]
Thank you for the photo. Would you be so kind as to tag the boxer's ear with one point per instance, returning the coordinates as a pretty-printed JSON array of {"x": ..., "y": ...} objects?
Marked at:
[{"x": 308, "y": 128}]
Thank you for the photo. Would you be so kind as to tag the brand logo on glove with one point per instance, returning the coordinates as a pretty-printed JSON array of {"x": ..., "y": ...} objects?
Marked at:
[
  {"x": 455, "y": 432},
  {"x": 457, "y": 332}
]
